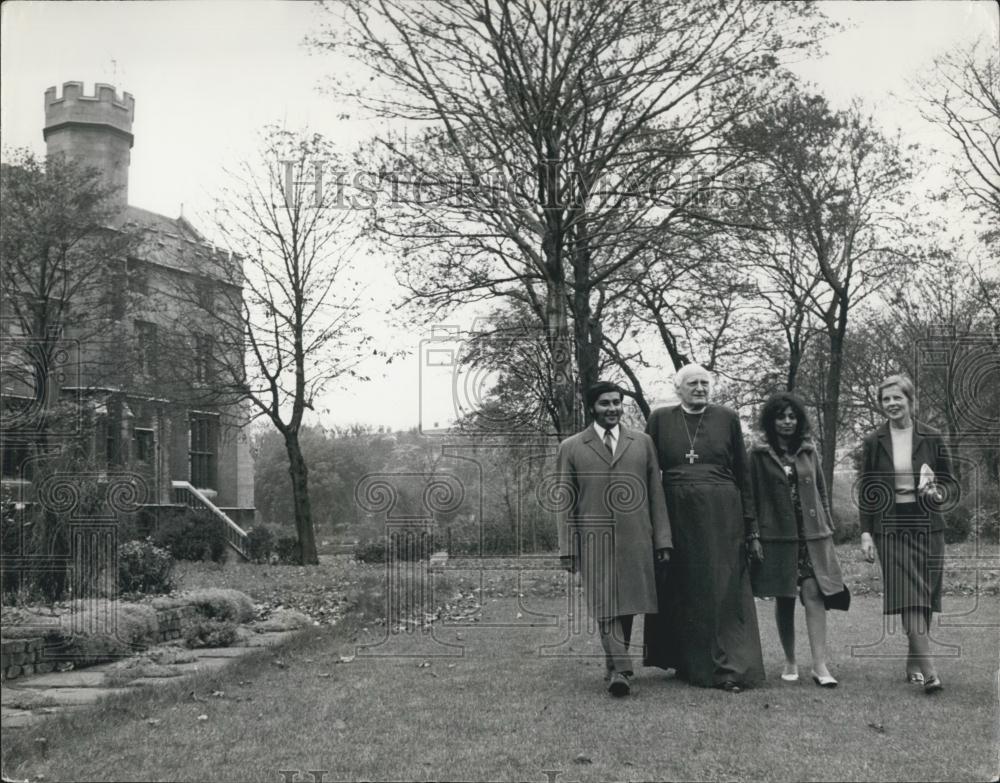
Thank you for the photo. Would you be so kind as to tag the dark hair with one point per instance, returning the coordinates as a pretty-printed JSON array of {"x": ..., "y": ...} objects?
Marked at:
[
  {"x": 774, "y": 406},
  {"x": 599, "y": 388}
]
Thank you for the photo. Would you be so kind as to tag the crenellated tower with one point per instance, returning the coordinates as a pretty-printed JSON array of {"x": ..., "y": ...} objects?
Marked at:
[{"x": 95, "y": 130}]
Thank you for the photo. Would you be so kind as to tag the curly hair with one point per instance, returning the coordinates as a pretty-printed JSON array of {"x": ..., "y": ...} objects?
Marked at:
[{"x": 773, "y": 408}]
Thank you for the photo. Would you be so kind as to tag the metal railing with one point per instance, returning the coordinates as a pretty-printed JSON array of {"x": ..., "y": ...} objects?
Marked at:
[{"x": 188, "y": 495}]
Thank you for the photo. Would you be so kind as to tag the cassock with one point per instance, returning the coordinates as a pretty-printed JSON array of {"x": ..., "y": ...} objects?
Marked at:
[{"x": 706, "y": 627}]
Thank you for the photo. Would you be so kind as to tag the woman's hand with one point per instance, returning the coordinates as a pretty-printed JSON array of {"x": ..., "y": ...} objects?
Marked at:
[
  {"x": 756, "y": 551},
  {"x": 933, "y": 492},
  {"x": 868, "y": 547}
]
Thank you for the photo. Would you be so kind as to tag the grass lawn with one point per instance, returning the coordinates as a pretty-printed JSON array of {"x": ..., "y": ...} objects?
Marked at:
[{"x": 493, "y": 708}]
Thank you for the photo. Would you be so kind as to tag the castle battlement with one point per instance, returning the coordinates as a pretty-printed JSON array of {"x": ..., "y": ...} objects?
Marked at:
[{"x": 102, "y": 108}]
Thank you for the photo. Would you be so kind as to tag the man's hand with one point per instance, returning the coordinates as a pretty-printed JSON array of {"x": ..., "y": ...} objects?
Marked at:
[
  {"x": 868, "y": 547},
  {"x": 756, "y": 551},
  {"x": 567, "y": 563},
  {"x": 662, "y": 555}
]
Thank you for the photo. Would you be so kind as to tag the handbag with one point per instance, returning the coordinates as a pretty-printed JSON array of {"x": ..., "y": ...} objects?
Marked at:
[{"x": 840, "y": 601}]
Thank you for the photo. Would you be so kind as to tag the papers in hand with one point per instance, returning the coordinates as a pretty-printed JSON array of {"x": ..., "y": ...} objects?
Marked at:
[{"x": 928, "y": 487}]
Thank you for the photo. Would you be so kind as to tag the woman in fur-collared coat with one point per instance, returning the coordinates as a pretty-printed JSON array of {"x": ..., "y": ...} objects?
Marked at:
[{"x": 796, "y": 532}]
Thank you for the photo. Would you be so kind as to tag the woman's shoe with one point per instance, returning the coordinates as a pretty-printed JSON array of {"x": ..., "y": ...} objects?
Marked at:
[
  {"x": 730, "y": 686},
  {"x": 933, "y": 684},
  {"x": 791, "y": 673},
  {"x": 915, "y": 678},
  {"x": 825, "y": 681}
]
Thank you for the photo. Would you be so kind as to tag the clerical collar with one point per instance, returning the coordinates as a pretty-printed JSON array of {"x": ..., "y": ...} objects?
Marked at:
[{"x": 686, "y": 409}]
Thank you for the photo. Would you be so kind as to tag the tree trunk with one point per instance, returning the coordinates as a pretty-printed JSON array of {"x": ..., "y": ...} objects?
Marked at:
[
  {"x": 586, "y": 328},
  {"x": 831, "y": 403},
  {"x": 299, "y": 472}
]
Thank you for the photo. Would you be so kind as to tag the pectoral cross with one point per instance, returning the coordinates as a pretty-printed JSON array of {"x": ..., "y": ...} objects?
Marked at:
[{"x": 691, "y": 456}]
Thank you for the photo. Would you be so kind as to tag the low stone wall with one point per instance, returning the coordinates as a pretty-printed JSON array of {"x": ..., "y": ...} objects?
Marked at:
[
  {"x": 40, "y": 655},
  {"x": 171, "y": 623},
  {"x": 23, "y": 656}
]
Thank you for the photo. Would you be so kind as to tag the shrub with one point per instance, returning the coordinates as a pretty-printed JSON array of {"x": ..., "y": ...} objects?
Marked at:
[
  {"x": 192, "y": 535},
  {"x": 957, "y": 525},
  {"x": 285, "y": 620},
  {"x": 220, "y": 603},
  {"x": 260, "y": 543},
  {"x": 144, "y": 567},
  {"x": 372, "y": 549},
  {"x": 10, "y": 540},
  {"x": 287, "y": 550},
  {"x": 211, "y": 633},
  {"x": 987, "y": 526},
  {"x": 98, "y": 630}
]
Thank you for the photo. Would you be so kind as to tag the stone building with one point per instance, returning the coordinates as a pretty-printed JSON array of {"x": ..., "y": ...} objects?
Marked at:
[{"x": 150, "y": 389}]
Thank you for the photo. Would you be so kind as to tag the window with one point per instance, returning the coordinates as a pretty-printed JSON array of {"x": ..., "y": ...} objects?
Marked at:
[
  {"x": 204, "y": 345},
  {"x": 204, "y": 445},
  {"x": 107, "y": 446},
  {"x": 114, "y": 286},
  {"x": 205, "y": 295},
  {"x": 144, "y": 445},
  {"x": 138, "y": 276},
  {"x": 146, "y": 347}
]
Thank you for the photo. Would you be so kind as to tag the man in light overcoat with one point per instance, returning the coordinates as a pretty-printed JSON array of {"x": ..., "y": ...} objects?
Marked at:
[{"x": 613, "y": 526}]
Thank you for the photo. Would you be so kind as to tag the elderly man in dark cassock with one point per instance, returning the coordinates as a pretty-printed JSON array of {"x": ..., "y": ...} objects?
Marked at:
[
  {"x": 706, "y": 628},
  {"x": 614, "y": 525}
]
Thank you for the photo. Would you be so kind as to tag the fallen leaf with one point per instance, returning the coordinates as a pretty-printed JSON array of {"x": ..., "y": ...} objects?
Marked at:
[
  {"x": 202, "y": 717},
  {"x": 153, "y": 721},
  {"x": 423, "y": 664},
  {"x": 339, "y": 725},
  {"x": 346, "y": 659},
  {"x": 323, "y": 674},
  {"x": 218, "y": 694},
  {"x": 877, "y": 727}
]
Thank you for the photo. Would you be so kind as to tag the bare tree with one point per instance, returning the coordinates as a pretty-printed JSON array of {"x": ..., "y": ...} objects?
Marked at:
[
  {"x": 291, "y": 329},
  {"x": 62, "y": 260},
  {"x": 962, "y": 96},
  {"x": 553, "y": 142},
  {"x": 835, "y": 184}
]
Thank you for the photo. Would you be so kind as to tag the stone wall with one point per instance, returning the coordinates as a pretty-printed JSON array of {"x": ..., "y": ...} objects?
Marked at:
[
  {"x": 38, "y": 656},
  {"x": 23, "y": 656}
]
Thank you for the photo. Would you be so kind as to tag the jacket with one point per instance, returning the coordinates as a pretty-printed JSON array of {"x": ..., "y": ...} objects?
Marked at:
[
  {"x": 776, "y": 575},
  {"x": 877, "y": 490}
]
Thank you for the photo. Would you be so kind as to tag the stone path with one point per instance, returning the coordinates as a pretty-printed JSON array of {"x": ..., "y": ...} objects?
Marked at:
[{"x": 33, "y": 698}]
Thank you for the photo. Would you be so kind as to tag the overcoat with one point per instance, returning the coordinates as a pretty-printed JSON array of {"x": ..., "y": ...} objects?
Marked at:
[
  {"x": 777, "y": 574},
  {"x": 878, "y": 475},
  {"x": 612, "y": 517}
]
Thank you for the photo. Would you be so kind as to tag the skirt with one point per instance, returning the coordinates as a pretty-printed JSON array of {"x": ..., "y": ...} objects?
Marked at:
[{"x": 912, "y": 560}]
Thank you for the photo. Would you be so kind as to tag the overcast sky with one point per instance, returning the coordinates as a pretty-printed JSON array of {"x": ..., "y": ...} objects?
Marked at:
[{"x": 206, "y": 76}]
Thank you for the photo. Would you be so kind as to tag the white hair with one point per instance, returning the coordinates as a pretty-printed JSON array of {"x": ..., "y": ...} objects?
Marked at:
[{"x": 687, "y": 370}]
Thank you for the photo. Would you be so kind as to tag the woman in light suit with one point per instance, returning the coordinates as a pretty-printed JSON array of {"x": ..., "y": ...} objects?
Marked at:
[{"x": 907, "y": 476}]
